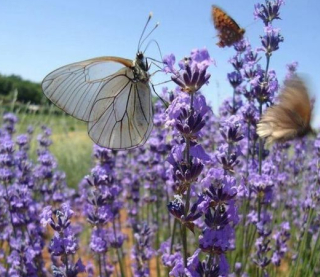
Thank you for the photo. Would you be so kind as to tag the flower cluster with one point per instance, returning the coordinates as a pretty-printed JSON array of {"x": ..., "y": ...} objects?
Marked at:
[
  {"x": 203, "y": 197},
  {"x": 64, "y": 244}
]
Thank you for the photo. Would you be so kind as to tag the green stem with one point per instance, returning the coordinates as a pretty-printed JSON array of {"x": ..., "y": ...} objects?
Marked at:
[
  {"x": 248, "y": 152},
  {"x": 234, "y": 102},
  {"x": 118, "y": 251},
  {"x": 173, "y": 234},
  {"x": 259, "y": 208},
  {"x": 184, "y": 228},
  {"x": 302, "y": 243},
  {"x": 183, "y": 233},
  {"x": 250, "y": 235},
  {"x": 244, "y": 238},
  {"x": 168, "y": 214},
  {"x": 67, "y": 263},
  {"x": 314, "y": 258},
  {"x": 158, "y": 233},
  {"x": 260, "y": 110},
  {"x": 260, "y": 143},
  {"x": 267, "y": 67},
  {"x": 99, "y": 265}
]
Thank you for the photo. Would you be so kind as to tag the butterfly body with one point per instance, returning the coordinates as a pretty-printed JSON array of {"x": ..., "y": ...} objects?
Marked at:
[
  {"x": 140, "y": 68},
  {"x": 289, "y": 118},
  {"x": 112, "y": 94},
  {"x": 229, "y": 31}
]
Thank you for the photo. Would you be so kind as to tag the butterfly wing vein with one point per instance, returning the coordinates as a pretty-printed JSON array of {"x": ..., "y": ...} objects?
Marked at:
[{"x": 117, "y": 107}]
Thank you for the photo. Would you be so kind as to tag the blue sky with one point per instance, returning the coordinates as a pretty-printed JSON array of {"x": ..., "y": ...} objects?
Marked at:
[{"x": 38, "y": 36}]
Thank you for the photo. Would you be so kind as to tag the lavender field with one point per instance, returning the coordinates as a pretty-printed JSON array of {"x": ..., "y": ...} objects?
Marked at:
[{"x": 205, "y": 196}]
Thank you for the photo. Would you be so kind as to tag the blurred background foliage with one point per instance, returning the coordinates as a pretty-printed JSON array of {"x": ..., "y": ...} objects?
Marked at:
[{"x": 27, "y": 91}]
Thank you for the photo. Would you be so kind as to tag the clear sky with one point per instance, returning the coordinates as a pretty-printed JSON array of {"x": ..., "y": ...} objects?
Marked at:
[{"x": 37, "y": 36}]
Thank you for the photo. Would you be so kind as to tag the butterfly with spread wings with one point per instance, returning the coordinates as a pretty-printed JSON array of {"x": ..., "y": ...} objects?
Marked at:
[
  {"x": 112, "y": 94},
  {"x": 229, "y": 31},
  {"x": 289, "y": 118}
]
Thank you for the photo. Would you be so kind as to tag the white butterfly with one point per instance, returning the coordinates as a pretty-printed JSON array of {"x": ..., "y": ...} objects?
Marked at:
[{"x": 112, "y": 94}]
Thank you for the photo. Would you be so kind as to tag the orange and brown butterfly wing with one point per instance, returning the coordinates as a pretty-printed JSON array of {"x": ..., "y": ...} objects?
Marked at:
[
  {"x": 229, "y": 32},
  {"x": 289, "y": 118}
]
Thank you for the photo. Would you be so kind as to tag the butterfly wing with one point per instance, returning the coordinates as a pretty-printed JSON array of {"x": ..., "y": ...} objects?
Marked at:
[
  {"x": 290, "y": 117},
  {"x": 124, "y": 121},
  {"x": 229, "y": 32},
  {"x": 105, "y": 93},
  {"x": 74, "y": 87},
  {"x": 295, "y": 96}
]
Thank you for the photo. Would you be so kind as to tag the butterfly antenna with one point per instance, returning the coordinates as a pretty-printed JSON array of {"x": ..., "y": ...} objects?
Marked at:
[
  {"x": 149, "y": 34},
  {"x": 252, "y": 23},
  {"x": 144, "y": 30},
  {"x": 158, "y": 49}
]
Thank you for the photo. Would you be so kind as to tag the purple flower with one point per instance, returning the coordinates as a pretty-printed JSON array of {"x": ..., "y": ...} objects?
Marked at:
[
  {"x": 142, "y": 251},
  {"x": 46, "y": 216},
  {"x": 105, "y": 157},
  {"x": 98, "y": 242},
  {"x": 292, "y": 68},
  {"x": 250, "y": 114},
  {"x": 281, "y": 237},
  {"x": 63, "y": 245},
  {"x": 10, "y": 118},
  {"x": 235, "y": 79},
  {"x": 192, "y": 75},
  {"x": 116, "y": 239},
  {"x": 44, "y": 140},
  {"x": 6, "y": 175},
  {"x": 251, "y": 57},
  {"x": 178, "y": 269},
  {"x": 269, "y": 11},
  {"x": 22, "y": 141},
  {"x": 191, "y": 80},
  {"x": 7, "y": 146},
  {"x": 216, "y": 240},
  {"x": 262, "y": 185},
  {"x": 237, "y": 62},
  {"x": 231, "y": 130},
  {"x": 270, "y": 41},
  {"x": 263, "y": 92},
  {"x": 177, "y": 209},
  {"x": 220, "y": 194},
  {"x": 188, "y": 123},
  {"x": 261, "y": 259},
  {"x": 63, "y": 216},
  {"x": 169, "y": 61},
  {"x": 184, "y": 174},
  {"x": 201, "y": 57},
  {"x": 241, "y": 46}
]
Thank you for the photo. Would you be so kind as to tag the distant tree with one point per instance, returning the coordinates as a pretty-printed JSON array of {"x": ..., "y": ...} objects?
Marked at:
[{"x": 28, "y": 92}]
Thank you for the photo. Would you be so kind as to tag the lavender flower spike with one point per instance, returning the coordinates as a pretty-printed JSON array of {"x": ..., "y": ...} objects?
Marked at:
[
  {"x": 191, "y": 80},
  {"x": 269, "y": 11},
  {"x": 271, "y": 40}
]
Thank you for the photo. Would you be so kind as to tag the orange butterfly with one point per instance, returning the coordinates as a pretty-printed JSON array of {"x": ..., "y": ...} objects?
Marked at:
[{"x": 229, "y": 31}]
